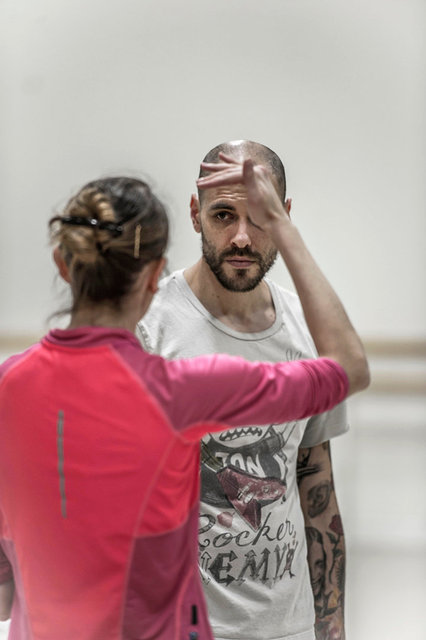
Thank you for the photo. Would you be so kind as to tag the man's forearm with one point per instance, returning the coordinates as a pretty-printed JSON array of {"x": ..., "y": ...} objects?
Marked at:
[
  {"x": 7, "y": 590},
  {"x": 325, "y": 540},
  {"x": 329, "y": 601}
]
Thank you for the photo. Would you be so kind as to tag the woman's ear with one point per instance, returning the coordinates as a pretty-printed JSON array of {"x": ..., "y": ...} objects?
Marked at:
[
  {"x": 61, "y": 264},
  {"x": 155, "y": 274}
]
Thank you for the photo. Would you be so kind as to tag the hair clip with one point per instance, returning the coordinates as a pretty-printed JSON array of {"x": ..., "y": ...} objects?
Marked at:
[
  {"x": 112, "y": 227},
  {"x": 79, "y": 221},
  {"x": 137, "y": 245}
]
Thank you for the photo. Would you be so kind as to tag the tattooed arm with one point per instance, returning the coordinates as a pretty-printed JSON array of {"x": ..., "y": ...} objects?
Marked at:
[
  {"x": 6, "y": 581},
  {"x": 6, "y": 598},
  {"x": 325, "y": 540}
]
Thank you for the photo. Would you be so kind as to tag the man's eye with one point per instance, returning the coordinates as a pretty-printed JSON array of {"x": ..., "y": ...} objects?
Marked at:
[{"x": 223, "y": 215}]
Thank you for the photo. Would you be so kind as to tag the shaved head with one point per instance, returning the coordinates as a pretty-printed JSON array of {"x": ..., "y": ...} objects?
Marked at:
[{"x": 242, "y": 149}]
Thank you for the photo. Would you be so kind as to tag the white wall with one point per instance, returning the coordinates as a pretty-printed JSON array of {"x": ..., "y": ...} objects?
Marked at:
[{"x": 337, "y": 88}]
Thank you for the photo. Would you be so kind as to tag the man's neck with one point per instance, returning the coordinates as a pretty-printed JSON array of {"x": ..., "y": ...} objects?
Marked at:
[{"x": 248, "y": 311}]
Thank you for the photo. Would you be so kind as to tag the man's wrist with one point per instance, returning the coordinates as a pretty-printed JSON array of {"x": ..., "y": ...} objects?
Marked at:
[{"x": 284, "y": 234}]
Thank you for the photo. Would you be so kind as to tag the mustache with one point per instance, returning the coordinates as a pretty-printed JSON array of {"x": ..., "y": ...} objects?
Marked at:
[{"x": 241, "y": 253}]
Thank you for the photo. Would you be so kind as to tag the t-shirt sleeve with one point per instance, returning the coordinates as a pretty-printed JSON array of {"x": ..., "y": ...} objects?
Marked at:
[
  {"x": 215, "y": 392},
  {"x": 326, "y": 426}
]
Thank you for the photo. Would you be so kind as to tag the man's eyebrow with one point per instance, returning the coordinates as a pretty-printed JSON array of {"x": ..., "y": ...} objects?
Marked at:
[{"x": 221, "y": 205}]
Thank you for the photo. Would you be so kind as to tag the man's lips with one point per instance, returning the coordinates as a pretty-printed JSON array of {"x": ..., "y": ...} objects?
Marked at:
[{"x": 240, "y": 263}]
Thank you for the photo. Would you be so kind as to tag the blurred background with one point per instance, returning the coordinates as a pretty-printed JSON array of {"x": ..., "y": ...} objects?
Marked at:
[{"x": 338, "y": 90}]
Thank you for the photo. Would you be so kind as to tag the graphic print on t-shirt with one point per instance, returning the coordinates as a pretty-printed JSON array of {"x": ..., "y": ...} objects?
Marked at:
[
  {"x": 243, "y": 473},
  {"x": 247, "y": 476}
]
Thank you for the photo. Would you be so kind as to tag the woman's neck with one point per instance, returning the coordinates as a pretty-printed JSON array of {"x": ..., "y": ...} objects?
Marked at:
[
  {"x": 125, "y": 315},
  {"x": 103, "y": 317}
]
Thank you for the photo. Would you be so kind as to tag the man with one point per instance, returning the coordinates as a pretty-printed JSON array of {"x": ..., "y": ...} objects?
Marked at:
[{"x": 260, "y": 489}]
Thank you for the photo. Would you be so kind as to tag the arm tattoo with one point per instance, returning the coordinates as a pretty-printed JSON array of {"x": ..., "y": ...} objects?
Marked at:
[
  {"x": 318, "y": 498},
  {"x": 325, "y": 540},
  {"x": 304, "y": 468},
  {"x": 317, "y": 558}
]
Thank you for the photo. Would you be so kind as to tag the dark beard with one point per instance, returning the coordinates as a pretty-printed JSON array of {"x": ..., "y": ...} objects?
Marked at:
[{"x": 240, "y": 281}]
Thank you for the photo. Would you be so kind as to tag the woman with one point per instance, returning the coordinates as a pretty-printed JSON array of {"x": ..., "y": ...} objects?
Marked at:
[{"x": 99, "y": 451}]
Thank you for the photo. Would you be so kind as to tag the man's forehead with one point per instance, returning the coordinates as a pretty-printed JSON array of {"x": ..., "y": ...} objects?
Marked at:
[{"x": 231, "y": 194}]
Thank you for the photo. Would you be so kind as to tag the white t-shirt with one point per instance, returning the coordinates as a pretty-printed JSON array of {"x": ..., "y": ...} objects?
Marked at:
[{"x": 252, "y": 548}]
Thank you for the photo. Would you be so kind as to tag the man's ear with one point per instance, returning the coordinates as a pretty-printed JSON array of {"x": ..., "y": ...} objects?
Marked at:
[
  {"x": 154, "y": 276},
  {"x": 195, "y": 213},
  {"x": 287, "y": 206},
  {"x": 61, "y": 264}
]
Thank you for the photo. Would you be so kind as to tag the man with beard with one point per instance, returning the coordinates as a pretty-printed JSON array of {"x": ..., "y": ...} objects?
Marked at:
[{"x": 260, "y": 488}]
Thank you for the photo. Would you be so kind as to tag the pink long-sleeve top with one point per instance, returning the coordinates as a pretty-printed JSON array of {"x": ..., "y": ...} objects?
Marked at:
[{"x": 99, "y": 477}]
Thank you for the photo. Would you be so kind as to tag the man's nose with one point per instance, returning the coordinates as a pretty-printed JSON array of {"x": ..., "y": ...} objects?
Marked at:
[{"x": 241, "y": 238}]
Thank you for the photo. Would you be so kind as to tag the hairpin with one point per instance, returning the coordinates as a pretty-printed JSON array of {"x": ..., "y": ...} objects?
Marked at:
[{"x": 137, "y": 245}]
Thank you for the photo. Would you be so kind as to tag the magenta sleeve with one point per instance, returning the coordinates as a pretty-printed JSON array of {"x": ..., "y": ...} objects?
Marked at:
[{"x": 233, "y": 392}]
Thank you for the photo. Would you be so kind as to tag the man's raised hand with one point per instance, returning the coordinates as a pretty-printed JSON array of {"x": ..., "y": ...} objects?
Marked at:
[{"x": 265, "y": 208}]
